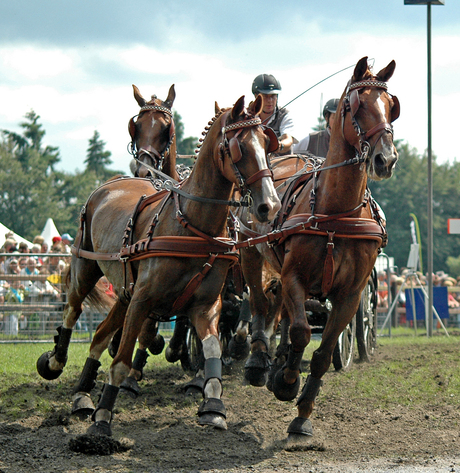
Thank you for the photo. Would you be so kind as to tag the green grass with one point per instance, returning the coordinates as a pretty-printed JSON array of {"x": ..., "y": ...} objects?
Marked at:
[
  {"x": 415, "y": 371},
  {"x": 408, "y": 370}
]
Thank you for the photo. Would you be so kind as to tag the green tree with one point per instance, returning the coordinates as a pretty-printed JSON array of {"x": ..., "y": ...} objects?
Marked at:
[
  {"x": 96, "y": 157},
  {"x": 407, "y": 192},
  {"x": 27, "y": 179},
  {"x": 184, "y": 146}
]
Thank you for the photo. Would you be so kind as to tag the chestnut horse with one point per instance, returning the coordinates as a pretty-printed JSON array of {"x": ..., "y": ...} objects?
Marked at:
[
  {"x": 153, "y": 137},
  {"x": 153, "y": 143},
  {"x": 325, "y": 240},
  {"x": 180, "y": 237}
]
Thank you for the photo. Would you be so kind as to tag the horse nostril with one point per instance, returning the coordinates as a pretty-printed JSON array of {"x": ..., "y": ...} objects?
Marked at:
[
  {"x": 262, "y": 212},
  {"x": 379, "y": 161}
]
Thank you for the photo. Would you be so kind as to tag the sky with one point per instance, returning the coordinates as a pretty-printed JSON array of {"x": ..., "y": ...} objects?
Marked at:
[{"x": 74, "y": 63}]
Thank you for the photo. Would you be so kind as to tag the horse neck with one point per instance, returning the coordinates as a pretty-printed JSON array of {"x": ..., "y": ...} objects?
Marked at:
[
  {"x": 340, "y": 189},
  {"x": 207, "y": 181}
]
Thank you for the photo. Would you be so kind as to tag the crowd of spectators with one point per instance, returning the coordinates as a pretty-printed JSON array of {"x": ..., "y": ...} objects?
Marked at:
[
  {"x": 30, "y": 275},
  {"x": 407, "y": 279}
]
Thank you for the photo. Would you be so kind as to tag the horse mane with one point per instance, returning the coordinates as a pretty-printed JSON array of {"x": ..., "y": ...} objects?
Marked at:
[{"x": 218, "y": 114}]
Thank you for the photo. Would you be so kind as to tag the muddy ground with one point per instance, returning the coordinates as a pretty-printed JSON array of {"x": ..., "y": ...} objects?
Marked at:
[{"x": 158, "y": 432}]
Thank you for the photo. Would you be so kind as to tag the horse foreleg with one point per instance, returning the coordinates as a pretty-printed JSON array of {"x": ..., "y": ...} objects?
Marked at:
[
  {"x": 341, "y": 315},
  {"x": 212, "y": 410},
  {"x": 239, "y": 346},
  {"x": 258, "y": 364},
  {"x": 286, "y": 382}
]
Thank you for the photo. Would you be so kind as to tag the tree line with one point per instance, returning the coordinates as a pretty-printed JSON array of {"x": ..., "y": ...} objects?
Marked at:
[{"x": 32, "y": 190}]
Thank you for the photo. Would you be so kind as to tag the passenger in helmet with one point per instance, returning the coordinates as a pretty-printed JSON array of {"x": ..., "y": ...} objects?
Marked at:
[
  {"x": 276, "y": 118},
  {"x": 317, "y": 143}
]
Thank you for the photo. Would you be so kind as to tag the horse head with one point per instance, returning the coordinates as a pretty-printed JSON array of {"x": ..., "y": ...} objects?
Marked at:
[
  {"x": 368, "y": 112},
  {"x": 153, "y": 134},
  {"x": 241, "y": 156}
]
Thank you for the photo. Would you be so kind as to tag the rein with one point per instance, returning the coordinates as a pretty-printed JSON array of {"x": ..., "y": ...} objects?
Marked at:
[{"x": 171, "y": 185}]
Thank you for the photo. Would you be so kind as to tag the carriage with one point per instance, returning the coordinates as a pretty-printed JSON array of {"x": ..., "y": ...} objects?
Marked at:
[{"x": 323, "y": 251}]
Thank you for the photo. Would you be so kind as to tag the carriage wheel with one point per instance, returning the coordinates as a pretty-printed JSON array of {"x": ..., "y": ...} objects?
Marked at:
[
  {"x": 342, "y": 357},
  {"x": 366, "y": 321},
  {"x": 194, "y": 359}
]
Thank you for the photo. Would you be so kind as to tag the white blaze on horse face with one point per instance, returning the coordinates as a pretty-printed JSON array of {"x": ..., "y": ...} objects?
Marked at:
[{"x": 268, "y": 189}]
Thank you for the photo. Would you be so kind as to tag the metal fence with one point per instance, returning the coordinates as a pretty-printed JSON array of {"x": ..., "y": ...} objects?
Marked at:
[{"x": 31, "y": 305}]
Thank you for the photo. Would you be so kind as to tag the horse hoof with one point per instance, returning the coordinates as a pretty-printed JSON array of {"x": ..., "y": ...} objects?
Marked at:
[
  {"x": 256, "y": 369},
  {"x": 300, "y": 426},
  {"x": 43, "y": 367},
  {"x": 284, "y": 391},
  {"x": 157, "y": 346},
  {"x": 239, "y": 350},
  {"x": 271, "y": 375},
  {"x": 130, "y": 387},
  {"x": 172, "y": 355},
  {"x": 212, "y": 412},
  {"x": 194, "y": 388},
  {"x": 214, "y": 420},
  {"x": 82, "y": 406},
  {"x": 100, "y": 428}
]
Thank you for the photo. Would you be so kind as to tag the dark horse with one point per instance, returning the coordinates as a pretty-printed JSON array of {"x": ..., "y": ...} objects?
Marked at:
[
  {"x": 180, "y": 236},
  {"x": 325, "y": 239}
]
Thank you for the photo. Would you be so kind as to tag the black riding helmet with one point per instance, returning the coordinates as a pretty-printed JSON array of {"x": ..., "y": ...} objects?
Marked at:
[
  {"x": 265, "y": 84},
  {"x": 330, "y": 107}
]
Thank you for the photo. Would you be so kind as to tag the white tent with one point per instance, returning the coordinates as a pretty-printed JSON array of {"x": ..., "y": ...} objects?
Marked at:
[
  {"x": 49, "y": 231},
  {"x": 4, "y": 230}
]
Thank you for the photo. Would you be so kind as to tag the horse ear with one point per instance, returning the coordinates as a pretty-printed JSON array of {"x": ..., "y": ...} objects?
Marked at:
[
  {"x": 256, "y": 106},
  {"x": 238, "y": 108},
  {"x": 360, "y": 69},
  {"x": 216, "y": 108},
  {"x": 171, "y": 97},
  {"x": 137, "y": 95},
  {"x": 385, "y": 74}
]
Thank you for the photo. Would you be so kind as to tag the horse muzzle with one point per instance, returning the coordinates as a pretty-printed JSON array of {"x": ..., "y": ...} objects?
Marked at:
[{"x": 382, "y": 163}]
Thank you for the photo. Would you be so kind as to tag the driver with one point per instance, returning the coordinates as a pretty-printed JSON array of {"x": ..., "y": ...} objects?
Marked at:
[{"x": 276, "y": 118}]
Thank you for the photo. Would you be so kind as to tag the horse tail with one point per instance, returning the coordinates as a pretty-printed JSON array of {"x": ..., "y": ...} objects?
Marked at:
[{"x": 97, "y": 299}]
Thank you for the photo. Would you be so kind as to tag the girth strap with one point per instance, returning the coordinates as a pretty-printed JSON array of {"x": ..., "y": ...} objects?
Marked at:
[
  {"x": 328, "y": 269},
  {"x": 192, "y": 286}
]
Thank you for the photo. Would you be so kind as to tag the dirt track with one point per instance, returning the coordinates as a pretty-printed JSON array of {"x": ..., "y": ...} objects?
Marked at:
[{"x": 160, "y": 432}]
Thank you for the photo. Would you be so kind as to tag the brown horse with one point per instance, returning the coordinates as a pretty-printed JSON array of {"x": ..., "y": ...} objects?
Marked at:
[
  {"x": 325, "y": 240},
  {"x": 180, "y": 237},
  {"x": 153, "y": 137},
  {"x": 153, "y": 146}
]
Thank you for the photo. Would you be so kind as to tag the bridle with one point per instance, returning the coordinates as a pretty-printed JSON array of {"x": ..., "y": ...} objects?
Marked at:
[
  {"x": 157, "y": 157},
  {"x": 230, "y": 149},
  {"x": 351, "y": 103}
]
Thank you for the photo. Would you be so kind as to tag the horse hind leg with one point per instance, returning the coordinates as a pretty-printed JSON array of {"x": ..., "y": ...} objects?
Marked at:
[
  {"x": 82, "y": 405},
  {"x": 50, "y": 365},
  {"x": 148, "y": 338}
]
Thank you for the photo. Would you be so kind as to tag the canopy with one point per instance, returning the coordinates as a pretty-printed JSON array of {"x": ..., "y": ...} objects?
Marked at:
[
  {"x": 4, "y": 230},
  {"x": 50, "y": 231}
]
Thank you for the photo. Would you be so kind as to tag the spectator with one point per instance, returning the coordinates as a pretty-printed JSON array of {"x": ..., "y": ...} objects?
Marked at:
[
  {"x": 23, "y": 247},
  {"x": 67, "y": 242},
  {"x": 56, "y": 247},
  {"x": 38, "y": 240}
]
